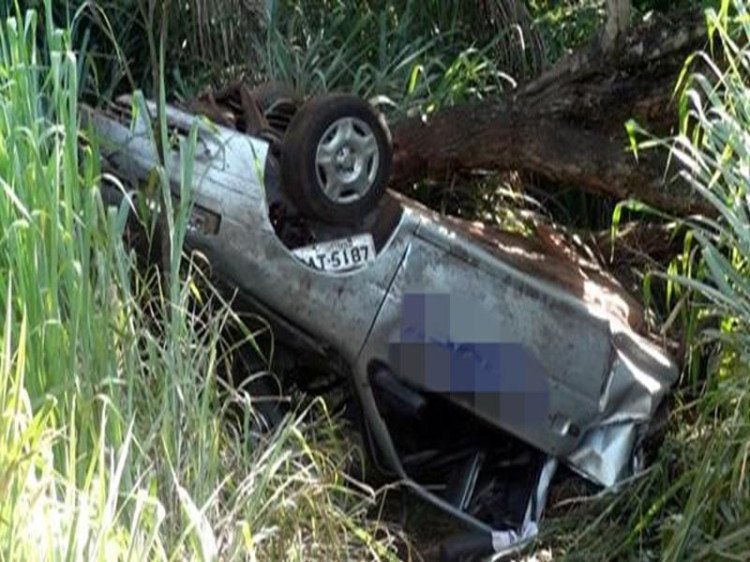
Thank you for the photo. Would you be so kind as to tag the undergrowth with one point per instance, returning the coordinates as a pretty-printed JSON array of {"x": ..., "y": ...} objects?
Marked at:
[
  {"x": 694, "y": 501},
  {"x": 407, "y": 55},
  {"x": 113, "y": 442}
]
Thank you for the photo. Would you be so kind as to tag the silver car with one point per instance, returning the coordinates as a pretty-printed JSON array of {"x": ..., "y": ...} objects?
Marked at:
[{"x": 478, "y": 368}]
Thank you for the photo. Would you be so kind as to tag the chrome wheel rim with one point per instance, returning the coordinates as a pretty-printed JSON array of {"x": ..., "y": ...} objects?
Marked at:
[{"x": 346, "y": 160}]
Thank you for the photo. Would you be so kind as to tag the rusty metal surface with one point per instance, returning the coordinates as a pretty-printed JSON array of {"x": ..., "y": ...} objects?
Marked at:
[{"x": 444, "y": 312}]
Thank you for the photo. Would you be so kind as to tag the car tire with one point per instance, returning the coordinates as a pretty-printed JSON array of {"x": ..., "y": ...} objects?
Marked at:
[{"x": 336, "y": 159}]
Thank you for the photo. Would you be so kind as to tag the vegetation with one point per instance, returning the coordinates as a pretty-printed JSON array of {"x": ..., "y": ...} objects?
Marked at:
[
  {"x": 113, "y": 443},
  {"x": 694, "y": 502}
]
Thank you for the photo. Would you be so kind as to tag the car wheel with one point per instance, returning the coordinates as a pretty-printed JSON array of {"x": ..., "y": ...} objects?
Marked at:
[{"x": 336, "y": 158}]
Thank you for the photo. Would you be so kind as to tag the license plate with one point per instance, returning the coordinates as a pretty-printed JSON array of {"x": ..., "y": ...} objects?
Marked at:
[{"x": 344, "y": 254}]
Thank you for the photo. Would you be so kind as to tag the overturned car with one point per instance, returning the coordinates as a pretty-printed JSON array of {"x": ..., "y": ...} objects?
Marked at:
[{"x": 478, "y": 362}]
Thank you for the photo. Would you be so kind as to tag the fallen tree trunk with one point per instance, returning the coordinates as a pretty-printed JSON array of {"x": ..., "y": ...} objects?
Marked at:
[{"x": 568, "y": 126}]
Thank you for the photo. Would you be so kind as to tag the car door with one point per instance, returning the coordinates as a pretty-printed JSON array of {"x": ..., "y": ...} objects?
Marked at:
[{"x": 513, "y": 350}]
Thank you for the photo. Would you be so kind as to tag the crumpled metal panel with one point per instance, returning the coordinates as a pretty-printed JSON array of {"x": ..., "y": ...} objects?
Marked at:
[{"x": 639, "y": 379}]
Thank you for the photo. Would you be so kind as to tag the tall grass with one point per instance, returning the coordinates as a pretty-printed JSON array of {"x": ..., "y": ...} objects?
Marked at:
[
  {"x": 113, "y": 443},
  {"x": 694, "y": 503},
  {"x": 411, "y": 55},
  {"x": 207, "y": 40}
]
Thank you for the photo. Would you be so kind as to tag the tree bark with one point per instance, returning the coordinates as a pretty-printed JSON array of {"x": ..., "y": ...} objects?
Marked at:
[{"x": 568, "y": 126}]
